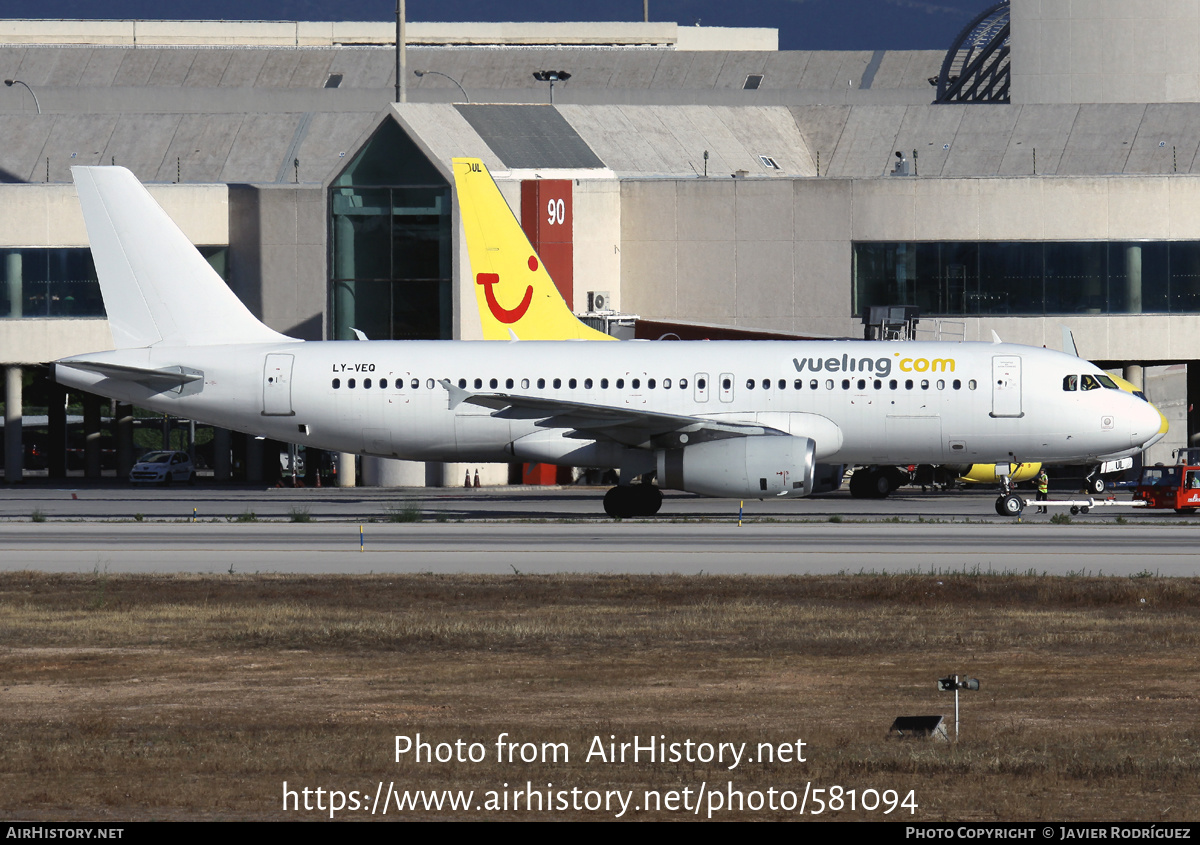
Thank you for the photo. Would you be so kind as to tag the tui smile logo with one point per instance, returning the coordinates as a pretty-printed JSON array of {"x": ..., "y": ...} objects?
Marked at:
[{"x": 504, "y": 315}]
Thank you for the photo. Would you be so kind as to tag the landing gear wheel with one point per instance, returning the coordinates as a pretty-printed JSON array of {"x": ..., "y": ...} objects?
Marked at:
[
  {"x": 1095, "y": 485},
  {"x": 881, "y": 485},
  {"x": 634, "y": 500},
  {"x": 616, "y": 503},
  {"x": 859, "y": 484},
  {"x": 870, "y": 484},
  {"x": 649, "y": 499},
  {"x": 1010, "y": 505}
]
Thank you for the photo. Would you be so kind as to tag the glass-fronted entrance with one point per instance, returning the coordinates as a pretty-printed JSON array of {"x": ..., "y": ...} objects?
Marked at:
[{"x": 390, "y": 267}]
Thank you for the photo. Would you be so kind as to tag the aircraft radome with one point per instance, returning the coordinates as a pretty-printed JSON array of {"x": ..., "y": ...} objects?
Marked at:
[{"x": 742, "y": 419}]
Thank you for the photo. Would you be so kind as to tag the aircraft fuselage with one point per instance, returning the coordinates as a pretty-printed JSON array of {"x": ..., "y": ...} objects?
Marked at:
[{"x": 860, "y": 402}]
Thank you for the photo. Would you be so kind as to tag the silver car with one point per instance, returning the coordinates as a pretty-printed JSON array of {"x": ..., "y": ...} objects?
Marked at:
[{"x": 163, "y": 468}]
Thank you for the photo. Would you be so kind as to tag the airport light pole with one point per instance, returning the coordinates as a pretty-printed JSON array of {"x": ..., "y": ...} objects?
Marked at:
[
  {"x": 551, "y": 76},
  {"x": 401, "y": 54},
  {"x": 420, "y": 73},
  {"x": 954, "y": 682},
  {"x": 11, "y": 82}
]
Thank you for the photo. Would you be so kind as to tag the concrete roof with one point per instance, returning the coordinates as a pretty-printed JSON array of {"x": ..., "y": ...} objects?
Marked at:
[
  {"x": 209, "y": 147},
  {"x": 489, "y": 74},
  {"x": 639, "y": 141},
  {"x": 243, "y": 113}
]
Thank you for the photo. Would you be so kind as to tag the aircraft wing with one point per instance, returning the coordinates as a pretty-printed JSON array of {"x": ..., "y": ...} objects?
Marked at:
[{"x": 630, "y": 425}]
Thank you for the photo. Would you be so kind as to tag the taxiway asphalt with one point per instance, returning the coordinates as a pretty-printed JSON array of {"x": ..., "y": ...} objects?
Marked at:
[{"x": 517, "y": 530}]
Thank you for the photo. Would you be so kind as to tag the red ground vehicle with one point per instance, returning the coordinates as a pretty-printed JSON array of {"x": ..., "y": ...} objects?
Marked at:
[{"x": 1175, "y": 486}]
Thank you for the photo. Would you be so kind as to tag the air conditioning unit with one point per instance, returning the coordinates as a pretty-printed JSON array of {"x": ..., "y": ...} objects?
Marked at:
[{"x": 598, "y": 300}]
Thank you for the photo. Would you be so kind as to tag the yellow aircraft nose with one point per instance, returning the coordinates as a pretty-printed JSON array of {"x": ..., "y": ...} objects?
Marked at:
[{"x": 1150, "y": 420}]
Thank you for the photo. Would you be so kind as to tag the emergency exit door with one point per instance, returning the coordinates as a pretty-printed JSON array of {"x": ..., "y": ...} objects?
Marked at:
[
  {"x": 277, "y": 385},
  {"x": 1006, "y": 386}
]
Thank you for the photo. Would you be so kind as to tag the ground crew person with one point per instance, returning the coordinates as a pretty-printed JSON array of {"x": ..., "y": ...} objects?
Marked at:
[{"x": 1043, "y": 487}]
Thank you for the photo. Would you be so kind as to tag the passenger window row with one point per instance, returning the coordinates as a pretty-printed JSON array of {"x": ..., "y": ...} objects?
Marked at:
[
  {"x": 510, "y": 384},
  {"x": 861, "y": 384},
  {"x": 682, "y": 384},
  {"x": 382, "y": 384}
]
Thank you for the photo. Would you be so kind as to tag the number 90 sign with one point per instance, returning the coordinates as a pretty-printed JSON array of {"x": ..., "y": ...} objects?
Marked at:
[{"x": 556, "y": 212}]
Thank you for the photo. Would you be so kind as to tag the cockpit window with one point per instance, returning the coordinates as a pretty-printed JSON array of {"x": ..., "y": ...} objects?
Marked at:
[
  {"x": 1108, "y": 382},
  {"x": 1071, "y": 382},
  {"x": 1090, "y": 382}
]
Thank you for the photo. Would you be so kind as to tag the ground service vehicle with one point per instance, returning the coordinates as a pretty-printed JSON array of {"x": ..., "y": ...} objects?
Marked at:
[{"x": 1175, "y": 486}]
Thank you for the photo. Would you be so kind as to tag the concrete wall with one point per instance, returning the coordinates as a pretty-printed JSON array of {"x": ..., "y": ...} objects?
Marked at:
[
  {"x": 776, "y": 253},
  {"x": 756, "y": 253},
  {"x": 40, "y": 341},
  {"x": 49, "y": 216},
  {"x": 278, "y": 255},
  {"x": 597, "y": 238},
  {"x": 1166, "y": 387},
  {"x": 1105, "y": 51}
]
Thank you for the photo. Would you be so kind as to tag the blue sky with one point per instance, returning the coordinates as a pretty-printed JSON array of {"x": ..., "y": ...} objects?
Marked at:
[{"x": 802, "y": 24}]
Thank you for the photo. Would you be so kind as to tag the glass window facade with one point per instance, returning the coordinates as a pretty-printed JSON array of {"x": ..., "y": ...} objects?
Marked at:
[
  {"x": 390, "y": 263},
  {"x": 1029, "y": 278},
  {"x": 38, "y": 282}
]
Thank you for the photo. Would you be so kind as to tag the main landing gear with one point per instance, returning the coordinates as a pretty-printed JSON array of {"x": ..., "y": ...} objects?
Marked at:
[
  {"x": 633, "y": 500},
  {"x": 874, "y": 482}
]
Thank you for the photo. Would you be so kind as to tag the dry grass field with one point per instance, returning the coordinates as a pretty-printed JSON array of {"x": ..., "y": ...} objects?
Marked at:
[{"x": 163, "y": 697}]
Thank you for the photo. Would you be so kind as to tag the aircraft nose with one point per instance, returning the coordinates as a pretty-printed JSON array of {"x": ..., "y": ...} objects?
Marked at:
[{"x": 1149, "y": 426}]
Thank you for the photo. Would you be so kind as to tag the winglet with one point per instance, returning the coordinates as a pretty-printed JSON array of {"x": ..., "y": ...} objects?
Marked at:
[
  {"x": 512, "y": 288},
  {"x": 996, "y": 337}
]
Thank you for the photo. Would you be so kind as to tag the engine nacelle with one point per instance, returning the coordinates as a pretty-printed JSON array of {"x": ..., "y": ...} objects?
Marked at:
[{"x": 741, "y": 467}]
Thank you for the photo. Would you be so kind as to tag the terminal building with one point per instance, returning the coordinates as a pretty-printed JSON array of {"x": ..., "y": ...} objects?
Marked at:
[{"x": 1040, "y": 172}]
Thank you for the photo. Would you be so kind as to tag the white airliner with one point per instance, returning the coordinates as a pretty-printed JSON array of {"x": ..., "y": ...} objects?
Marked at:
[{"x": 744, "y": 419}]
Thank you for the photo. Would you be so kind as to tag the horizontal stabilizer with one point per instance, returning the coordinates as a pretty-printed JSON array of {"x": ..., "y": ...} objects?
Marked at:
[{"x": 159, "y": 380}]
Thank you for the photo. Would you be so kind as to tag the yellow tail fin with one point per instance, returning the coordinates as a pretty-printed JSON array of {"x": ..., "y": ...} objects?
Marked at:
[{"x": 512, "y": 288}]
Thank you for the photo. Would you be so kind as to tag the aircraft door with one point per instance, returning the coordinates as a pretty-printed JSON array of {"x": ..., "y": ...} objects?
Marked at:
[
  {"x": 1006, "y": 386},
  {"x": 726, "y": 387},
  {"x": 701, "y": 386},
  {"x": 277, "y": 385}
]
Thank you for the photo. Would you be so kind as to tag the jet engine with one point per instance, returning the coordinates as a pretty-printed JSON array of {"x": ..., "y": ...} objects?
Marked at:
[{"x": 754, "y": 467}]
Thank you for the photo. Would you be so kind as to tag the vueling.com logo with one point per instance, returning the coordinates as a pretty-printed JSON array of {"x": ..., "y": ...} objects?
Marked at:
[{"x": 881, "y": 367}]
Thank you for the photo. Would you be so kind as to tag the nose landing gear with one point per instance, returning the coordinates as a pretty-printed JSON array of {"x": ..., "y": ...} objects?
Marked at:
[{"x": 1010, "y": 504}]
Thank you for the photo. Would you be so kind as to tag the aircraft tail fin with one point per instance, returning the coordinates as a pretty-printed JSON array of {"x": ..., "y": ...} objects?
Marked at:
[
  {"x": 157, "y": 287},
  {"x": 513, "y": 291}
]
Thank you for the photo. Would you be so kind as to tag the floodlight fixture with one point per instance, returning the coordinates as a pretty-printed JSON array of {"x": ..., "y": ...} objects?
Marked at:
[
  {"x": 956, "y": 683},
  {"x": 551, "y": 76}
]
